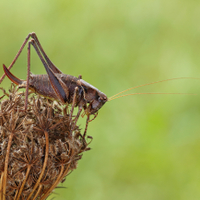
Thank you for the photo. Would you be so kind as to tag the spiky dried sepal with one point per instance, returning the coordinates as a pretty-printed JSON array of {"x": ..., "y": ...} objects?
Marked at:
[{"x": 38, "y": 148}]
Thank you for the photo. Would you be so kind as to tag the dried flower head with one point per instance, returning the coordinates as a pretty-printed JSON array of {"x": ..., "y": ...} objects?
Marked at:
[{"x": 38, "y": 148}]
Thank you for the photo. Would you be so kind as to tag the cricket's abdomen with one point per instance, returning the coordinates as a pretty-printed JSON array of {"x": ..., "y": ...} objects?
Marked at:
[{"x": 41, "y": 85}]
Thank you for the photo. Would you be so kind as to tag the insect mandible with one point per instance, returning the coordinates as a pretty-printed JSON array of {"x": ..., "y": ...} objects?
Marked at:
[{"x": 63, "y": 87}]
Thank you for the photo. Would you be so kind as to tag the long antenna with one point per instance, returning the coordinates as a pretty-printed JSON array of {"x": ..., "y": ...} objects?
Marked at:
[{"x": 112, "y": 97}]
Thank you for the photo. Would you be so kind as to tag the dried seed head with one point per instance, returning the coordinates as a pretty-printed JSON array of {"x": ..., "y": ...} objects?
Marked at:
[{"x": 38, "y": 147}]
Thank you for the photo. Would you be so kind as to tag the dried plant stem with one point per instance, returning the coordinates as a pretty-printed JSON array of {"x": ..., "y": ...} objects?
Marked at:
[
  {"x": 6, "y": 165},
  {"x": 22, "y": 186},
  {"x": 38, "y": 191},
  {"x": 44, "y": 165},
  {"x": 65, "y": 172},
  {"x": 16, "y": 195},
  {"x": 55, "y": 183},
  {"x": 1, "y": 192}
]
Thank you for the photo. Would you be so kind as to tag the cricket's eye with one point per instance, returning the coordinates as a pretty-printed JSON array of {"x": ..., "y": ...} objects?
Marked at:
[{"x": 99, "y": 99}]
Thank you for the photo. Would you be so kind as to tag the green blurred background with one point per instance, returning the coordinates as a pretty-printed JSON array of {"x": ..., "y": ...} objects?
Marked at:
[{"x": 145, "y": 147}]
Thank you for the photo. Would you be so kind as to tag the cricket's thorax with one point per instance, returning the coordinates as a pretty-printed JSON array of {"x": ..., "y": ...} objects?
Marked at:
[{"x": 91, "y": 87}]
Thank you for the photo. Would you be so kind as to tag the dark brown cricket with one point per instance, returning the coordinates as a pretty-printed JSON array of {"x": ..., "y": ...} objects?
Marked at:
[{"x": 62, "y": 87}]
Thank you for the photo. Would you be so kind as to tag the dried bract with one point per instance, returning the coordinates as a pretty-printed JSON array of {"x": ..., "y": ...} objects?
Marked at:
[{"x": 38, "y": 147}]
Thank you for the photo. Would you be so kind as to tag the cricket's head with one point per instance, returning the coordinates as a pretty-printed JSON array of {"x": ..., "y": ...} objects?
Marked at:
[
  {"x": 98, "y": 100},
  {"x": 97, "y": 103},
  {"x": 93, "y": 96}
]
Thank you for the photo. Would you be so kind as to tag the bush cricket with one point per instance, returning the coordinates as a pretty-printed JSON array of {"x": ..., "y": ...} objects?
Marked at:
[{"x": 62, "y": 87}]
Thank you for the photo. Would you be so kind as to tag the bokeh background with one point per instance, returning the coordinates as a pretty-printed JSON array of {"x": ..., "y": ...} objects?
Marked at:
[{"x": 145, "y": 147}]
